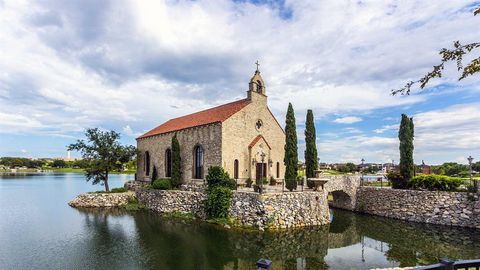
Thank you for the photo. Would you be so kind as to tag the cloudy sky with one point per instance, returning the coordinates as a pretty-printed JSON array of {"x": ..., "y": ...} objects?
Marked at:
[{"x": 130, "y": 65}]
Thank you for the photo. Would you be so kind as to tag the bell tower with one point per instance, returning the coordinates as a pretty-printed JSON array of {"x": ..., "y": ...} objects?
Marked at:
[{"x": 256, "y": 87}]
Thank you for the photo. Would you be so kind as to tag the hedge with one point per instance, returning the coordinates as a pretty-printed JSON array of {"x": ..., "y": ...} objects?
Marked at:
[
  {"x": 435, "y": 182},
  {"x": 162, "y": 184}
]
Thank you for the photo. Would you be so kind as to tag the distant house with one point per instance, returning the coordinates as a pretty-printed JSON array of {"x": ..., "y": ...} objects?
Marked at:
[
  {"x": 426, "y": 169},
  {"x": 324, "y": 166},
  {"x": 388, "y": 167}
]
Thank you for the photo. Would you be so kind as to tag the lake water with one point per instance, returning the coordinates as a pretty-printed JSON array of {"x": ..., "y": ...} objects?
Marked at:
[{"x": 38, "y": 230}]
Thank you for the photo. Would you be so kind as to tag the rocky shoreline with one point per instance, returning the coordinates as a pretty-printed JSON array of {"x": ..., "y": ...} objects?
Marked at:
[{"x": 90, "y": 200}]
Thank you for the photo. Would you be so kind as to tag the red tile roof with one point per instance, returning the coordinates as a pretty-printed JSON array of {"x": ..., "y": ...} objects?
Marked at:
[{"x": 209, "y": 116}]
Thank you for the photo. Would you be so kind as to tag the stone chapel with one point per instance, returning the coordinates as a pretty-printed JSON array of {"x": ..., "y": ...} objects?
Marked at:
[{"x": 242, "y": 136}]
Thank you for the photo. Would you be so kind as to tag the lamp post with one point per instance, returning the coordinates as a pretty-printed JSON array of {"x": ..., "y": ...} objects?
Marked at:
[
  {"x": 262, "y": 155},
  {"x": 470, "y": 160},
  {"x": 363, "y": 160}
]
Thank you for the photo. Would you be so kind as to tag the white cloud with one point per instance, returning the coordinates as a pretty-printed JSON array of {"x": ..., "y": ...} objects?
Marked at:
[
  {"x": 449, "y": 134},
  {"x": 132, "y": 65},
  {"x": 348, "y": 120},
  {"x": 385, "y": 128},
  {"x": 128, "y": 130}
]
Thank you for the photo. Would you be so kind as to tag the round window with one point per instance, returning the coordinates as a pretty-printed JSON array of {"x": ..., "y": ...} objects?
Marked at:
[{"x": 259, "y": 124}]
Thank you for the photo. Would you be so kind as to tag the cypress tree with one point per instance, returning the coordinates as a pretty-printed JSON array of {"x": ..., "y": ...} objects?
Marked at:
[
  {"x": 406, "y": 166},
  {"x": 176, "y": 178},
  {"x": 311, "y": 161},
  {"x": 291, "y": 151}
]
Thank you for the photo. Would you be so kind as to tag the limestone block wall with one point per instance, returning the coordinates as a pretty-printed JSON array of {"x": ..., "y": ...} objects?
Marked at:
[
  {"x": 240, "y": 130},
  {"x": 208, "y": 136},
  {"x": 436, "y": 207},
  {"x": 274, "y": 211}
]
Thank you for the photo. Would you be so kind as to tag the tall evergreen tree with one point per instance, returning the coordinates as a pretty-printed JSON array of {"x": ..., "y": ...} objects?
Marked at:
[
  {"x": 406, "y": 166},
  {"x": 311, "y": 158},
  {"x": 291, "y": 151},
  {"x": 176, "y": 178}
]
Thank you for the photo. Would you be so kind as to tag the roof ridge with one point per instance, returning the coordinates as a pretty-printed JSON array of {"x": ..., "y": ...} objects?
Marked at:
[
  {"x": 211, "y": 108},
  {"x": 216, "y": 114}
]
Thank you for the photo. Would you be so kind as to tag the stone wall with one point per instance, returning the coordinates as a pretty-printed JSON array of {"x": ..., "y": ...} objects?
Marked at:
[
  {"x": 240, "y": 130},
  {"x": 280, "y": 210},
  {"x": 436, "y": 207},
  {"x": 87, "y": 200},
  {"x": 173, "y": 201},
  {"x": 208, "y": 136},
  {"x": 343, "y": 189},
  {"x": 273, "y": 210}
]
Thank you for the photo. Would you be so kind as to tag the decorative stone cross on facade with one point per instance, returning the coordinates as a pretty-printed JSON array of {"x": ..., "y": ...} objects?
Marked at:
[
  {"x": 258, "y": 64},
  {"x": 258, "y": 124}
]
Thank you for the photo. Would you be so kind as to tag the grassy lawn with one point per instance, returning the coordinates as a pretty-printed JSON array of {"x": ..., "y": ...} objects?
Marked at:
[{"x": 377, "y": 184}]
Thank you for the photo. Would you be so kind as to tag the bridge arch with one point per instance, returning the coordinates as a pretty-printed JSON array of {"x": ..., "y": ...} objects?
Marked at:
[{"x": 343, "y": 189}]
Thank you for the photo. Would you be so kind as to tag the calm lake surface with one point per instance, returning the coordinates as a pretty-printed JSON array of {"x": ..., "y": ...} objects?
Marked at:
[{"x": 38, "y": 230}]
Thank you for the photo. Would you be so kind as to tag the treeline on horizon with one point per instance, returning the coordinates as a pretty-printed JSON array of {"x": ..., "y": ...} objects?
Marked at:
[
  {"x": 42, "y": 163},
  {"x": 447, "y": 168}
]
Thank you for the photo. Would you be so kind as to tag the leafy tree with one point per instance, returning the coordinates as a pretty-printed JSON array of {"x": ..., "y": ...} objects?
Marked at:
[
  {"x": 219, "y": 192},
  {"x": 104, "y": 154},
  {"x": 449, "y": 55},
  {"x": 154, "y": 173},
  {"x": 451, "y": 169},
  {"x": 476, "y": 166},
  {"x": 217, "y": 176},
  {"x": 176, "y": 178},
  {"x": 311, "y": 158},
  {"x": 59, "y": 163},
  {"x": 291, "y": 150},
  {"x": 406, "y": 166},
  {"x": 348, "y": 167}
]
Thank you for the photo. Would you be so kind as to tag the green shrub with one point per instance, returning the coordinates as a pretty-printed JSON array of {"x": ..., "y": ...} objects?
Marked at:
[
  {"x": 134, "y": 205},
  {"x": 118, "y": 190},
  {"x": 435, "y": 182},
  {"x": 291, "y": 184},
  {"x": 397, "y": 180},
  {"x": 154, "y": 173},
  {"x": 273, "y": 182},
  {"x": 248, "y": 183},
  {"x": 217, "y": 176},
  {"x": 162, "y": 184},
  {"x": 310, "y": 184},
  {"x": 218, "y": 202}
]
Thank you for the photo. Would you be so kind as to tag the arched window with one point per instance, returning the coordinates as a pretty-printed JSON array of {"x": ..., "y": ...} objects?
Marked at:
[
  {"x": 147, "y": 163},
  {"x": 198, "y": 162},
  {"x": 278, "y": 169},
  {"x": 235, "y": 169},
  {"x": 168, "y": 163}
]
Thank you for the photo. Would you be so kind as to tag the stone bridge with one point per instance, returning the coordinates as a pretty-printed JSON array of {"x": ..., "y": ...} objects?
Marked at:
[{"x": 343, "y": 189}]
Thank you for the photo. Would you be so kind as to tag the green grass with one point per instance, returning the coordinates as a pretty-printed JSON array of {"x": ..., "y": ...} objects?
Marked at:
[
  {"x": 179, "y": 215},
  {"x": 113, "y": 190},
  {"x": 377, "y": 184},
  {"x": 134, "y": 205}
]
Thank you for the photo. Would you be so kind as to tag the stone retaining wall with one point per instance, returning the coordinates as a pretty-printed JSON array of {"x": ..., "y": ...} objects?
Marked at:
[
  {"x": 173, "y": 201},
  {"x": 88, "y": 200},
  {"x": 436, "y": 207},
  {"x": 271, "y": 210}
]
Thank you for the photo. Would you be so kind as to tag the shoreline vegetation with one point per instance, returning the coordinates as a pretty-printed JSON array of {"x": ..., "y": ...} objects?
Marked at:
[{"x": 58, "y": 170}]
